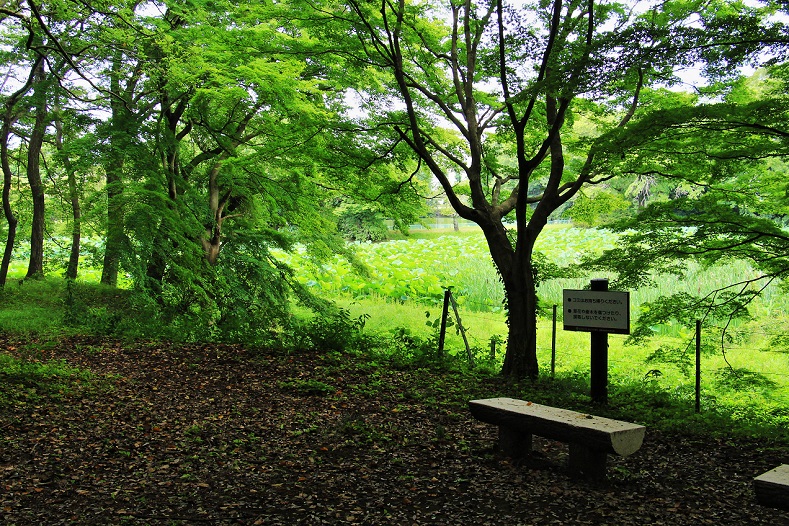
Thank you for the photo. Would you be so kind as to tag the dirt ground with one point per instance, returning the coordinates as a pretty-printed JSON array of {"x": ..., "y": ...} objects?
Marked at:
[{"x": 216, "y": 435}]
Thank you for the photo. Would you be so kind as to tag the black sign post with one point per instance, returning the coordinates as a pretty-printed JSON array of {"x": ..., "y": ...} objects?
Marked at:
[
  {"x": 598, "y": 311},
  {"x": 599, "y": 365}
]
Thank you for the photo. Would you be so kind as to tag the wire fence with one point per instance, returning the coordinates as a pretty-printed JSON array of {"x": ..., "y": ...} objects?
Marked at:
[{"x": 569, "y": 351}]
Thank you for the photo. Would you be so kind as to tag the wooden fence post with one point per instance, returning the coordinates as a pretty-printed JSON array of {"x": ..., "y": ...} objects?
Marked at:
[
  {"x": 462, "y": 329},
  {"x": 442, "y": 334}
]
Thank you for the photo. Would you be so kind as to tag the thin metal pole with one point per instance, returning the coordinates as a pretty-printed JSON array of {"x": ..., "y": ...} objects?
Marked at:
[
  {"x": 698, "y": 366},
  {"x": 553, "y": 345}
]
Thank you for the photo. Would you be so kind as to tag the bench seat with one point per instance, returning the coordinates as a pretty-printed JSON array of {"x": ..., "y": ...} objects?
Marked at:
[
  {"x": 590, "y": 438},
  {"x": 772, "y": 487}
]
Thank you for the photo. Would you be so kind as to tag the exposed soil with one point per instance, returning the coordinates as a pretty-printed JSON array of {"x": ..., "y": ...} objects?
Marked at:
[{"x": 219, "y": 435}]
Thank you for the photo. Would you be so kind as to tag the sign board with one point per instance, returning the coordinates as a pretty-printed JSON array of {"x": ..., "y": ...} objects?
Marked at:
[{"x": 596, "y": 311}]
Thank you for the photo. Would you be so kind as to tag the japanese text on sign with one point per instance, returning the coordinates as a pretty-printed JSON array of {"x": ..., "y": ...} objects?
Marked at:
[{"x": 590, "y": 310}]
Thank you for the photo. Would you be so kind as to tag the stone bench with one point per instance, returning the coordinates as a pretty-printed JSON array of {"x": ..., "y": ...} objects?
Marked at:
[
  {"x": 590, "y": 438},
  {"x": 772, "y": 487}
]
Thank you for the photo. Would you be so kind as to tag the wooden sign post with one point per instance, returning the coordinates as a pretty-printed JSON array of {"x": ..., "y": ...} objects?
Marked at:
[{"x": 599, "y": 312}]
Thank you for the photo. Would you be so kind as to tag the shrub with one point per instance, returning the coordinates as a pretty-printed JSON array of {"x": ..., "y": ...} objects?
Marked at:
[
  {"x": 335, "y": 330},
  {"x": 362, "y": 225}
]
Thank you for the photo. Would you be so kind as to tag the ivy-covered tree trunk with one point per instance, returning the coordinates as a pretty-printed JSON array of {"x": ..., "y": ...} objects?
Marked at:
[
  {"x": 115, "y": 232},
  {"x": 120, "y": 124}
]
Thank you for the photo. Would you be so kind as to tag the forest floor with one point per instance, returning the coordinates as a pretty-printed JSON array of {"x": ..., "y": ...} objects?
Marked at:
[{"x": 214, "y": 434}]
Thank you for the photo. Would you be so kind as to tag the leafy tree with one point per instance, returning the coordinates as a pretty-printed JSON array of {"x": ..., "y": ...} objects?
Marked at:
[
  {"x": 358, "y": 223},
  {"x": 222, "y": 134},
  {"x": 47, "y": 36},
  {"x": 733, "y": 156},
  {"x": 597, "y": 208},
  {"x": 25, "y": 36},
  {"x": 246, "y": 146},
  {"x": 509, "y": 77}
]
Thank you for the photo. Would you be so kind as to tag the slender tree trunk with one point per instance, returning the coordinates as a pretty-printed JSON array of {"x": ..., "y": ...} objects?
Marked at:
[
  {"x": 9, "y": 118},
  {"x": 76, "y": 214},
  {"x": 76, "y": 227},
  {"x": 7, "y": 211},
  {"x": 36, "y": 265}
]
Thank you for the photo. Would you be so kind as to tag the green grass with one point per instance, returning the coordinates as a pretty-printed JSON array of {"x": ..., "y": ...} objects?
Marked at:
[
  {"x": 45, "y": 305},
  {"x": 27, "y": 380},
  {"x": 750, "y": 380}
]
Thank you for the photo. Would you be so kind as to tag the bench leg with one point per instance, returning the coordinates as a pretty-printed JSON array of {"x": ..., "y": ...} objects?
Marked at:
[
  {"x": 513, "y": 443},
  {"x": 587, "y": 462}
]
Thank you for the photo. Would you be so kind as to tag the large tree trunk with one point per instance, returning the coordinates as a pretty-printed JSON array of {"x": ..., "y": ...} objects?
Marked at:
[
  {"x": 520, "y": 360},
  {"x": 517, "y": 274},
  {"x": 36, "y": 264}
]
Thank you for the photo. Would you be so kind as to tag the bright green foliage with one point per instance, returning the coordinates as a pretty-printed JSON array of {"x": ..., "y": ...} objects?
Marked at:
[
  {"x": 508, "y": 81},
  {"x": 596, "y": 209},
  {"x": 420, "y": 270},
  {"x": 361, "y": 224},
  {"x": 226, "y": 132},
  {"x": 728, "y": 164},
  {"x": 222, "y": 135}
]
